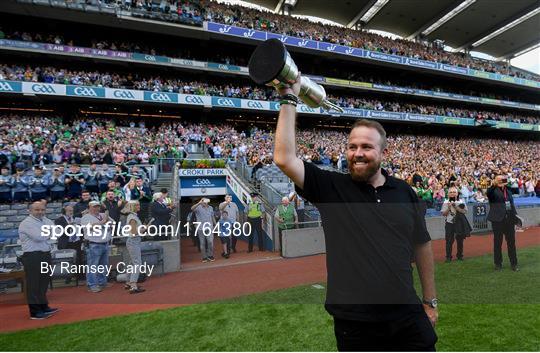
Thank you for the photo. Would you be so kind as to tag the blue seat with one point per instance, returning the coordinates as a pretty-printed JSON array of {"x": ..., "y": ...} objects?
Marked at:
[{"x": 8, "y": 234}]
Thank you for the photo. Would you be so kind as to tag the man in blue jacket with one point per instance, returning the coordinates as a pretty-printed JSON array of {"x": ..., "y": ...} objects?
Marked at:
[
  {"x": 5, "y": 185},
  {"x": 38, "y": 183},
  {"x": 20, "y": 184}
]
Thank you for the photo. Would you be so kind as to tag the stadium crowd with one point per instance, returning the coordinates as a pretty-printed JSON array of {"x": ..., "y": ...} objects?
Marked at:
[
  {"x": 292, "y": 26},
  {"x": 187, "y": 53},
  {"x": 38, "y": 154},
  {"x": 163, "y": 84}
]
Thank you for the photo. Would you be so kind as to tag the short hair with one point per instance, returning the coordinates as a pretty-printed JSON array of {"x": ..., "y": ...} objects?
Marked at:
[
  {"x": 85, "y": 191},
  {"x": 130, "y": 206},
  {"x": 64, "y": 208},
  {"x": 372, "y": 124},
  {"x": 163, "y": 190}
]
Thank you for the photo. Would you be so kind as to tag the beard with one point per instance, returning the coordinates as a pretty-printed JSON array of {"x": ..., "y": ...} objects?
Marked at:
[{"x": 369, "y": 170}]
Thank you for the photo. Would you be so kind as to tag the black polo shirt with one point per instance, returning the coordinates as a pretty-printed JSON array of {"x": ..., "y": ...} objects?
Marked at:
[{"x": 370, "y": 235}]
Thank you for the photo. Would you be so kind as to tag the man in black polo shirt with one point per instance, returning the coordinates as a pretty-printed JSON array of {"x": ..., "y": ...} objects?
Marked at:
[{"x": 374, "y": 228}]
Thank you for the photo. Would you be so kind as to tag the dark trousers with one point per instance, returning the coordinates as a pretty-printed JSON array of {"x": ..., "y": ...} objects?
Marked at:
[
  {"x": 450, "y": 235},
  {"x": 37, "y": 196},
  {"x": 233, "y": 242},
  {"x": 301, "y": 215},
  {"x": 21, "y": 196},
  {"x": 92, "y": 188},
  {"x": 411, "y": 333},
  {"x": 256, "y": 228},
  {"x": 36, "y": 282},
  {"x": 57, "y": 195},
  {"x": 506, "y": 229},
  {"x": 5, "y": 197}
]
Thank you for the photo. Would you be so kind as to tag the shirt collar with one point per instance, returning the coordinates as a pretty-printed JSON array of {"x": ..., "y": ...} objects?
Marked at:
[{"x": 390, "y": 182}]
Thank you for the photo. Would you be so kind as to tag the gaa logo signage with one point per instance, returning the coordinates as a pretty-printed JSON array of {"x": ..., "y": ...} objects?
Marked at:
[
  {"x": 306, "y": 109},
  {"x": 225, "y": 102},
  {"x": 123, "y": 94},
  {"x": 255, "y": 105},
  {"x": 85, "y": 92},
  {"x": 5, "y": 86},
  {"x": 162, "y": 97},
  {"x": 43, "y": 88},
  {"x": 201, "y": 182},
  {"x": 194, "y": 100}
]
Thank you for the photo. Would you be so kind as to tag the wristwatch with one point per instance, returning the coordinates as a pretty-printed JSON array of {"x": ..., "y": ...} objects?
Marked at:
[{"x": 433, "y": 303}]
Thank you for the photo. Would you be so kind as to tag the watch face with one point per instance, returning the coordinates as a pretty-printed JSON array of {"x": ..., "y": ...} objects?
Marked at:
[{"x": 434, "y": 303}]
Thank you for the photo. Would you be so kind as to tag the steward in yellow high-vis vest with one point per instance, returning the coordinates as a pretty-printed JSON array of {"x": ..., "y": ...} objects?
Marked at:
[{"x": 255, "y": 215}]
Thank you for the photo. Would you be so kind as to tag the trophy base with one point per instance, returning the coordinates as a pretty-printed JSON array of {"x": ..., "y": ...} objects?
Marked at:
[{"x": 267, "y": 61}]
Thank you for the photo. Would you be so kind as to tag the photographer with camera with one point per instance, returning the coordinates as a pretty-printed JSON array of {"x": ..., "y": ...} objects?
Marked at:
[
  {"x": 451, "y": 208},
  {"x": 503, "y": 217}
]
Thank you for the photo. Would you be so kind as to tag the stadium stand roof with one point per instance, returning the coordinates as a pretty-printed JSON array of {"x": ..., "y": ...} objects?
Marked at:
[{"x": 500, "y": 28}]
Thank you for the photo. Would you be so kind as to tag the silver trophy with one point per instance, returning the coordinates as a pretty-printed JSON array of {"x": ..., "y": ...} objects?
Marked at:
[{"x": 272, "y": 65}]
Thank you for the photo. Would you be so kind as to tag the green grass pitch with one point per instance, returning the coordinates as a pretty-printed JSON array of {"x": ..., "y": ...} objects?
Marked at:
[{"x": 480, "y": 310}]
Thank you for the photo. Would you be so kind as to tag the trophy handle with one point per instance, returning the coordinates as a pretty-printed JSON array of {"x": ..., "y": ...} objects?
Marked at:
[{"x": 326, "y": 104}]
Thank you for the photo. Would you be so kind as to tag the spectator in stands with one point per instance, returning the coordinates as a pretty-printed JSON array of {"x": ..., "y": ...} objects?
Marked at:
[
  {"x": 232, "y": 215},
  {"x": 130, "y": 190},
  {"x": 26, "y": 150},
  {"x": 168, "y": 201},
  {"x": 43, "y": 158},
  {"x": 38, "y": 184},
  {"x": 74, "y": 181},
  {"x": 112, "y": 205},
  {"x": 104, "y": 178},
  {"x": 286, "y": 217},
  {"x": 81, "y": 207},
  {"x": 36, "y": 251},
  {"x": 97, "y": 249},
  {"x": 133, "y": 245},
  {"x": 502, "y": 215},
  {"x": 160, "y": 212},
  {"x": 145, "y": 197},
  {"x": 299, "y": 206},
  {"x": 120, "y": 175},
  {"x": 205, "y": 215},
  {"x": 255, "y": 216},
  {"x": 20, "y": 185},
  {"x": 5, "y": 185},
  {"x": 450, "y": 209},
  {"x": 479, "y": 197},
  {"x": 92, "y": 179},
  {"x": 74, "y": 241},
  {"x": 56, "y": 185},
  {"x": 225, "y": 233},
  {"x": 115, "y": 188},
  {"x": 529, "y": 187}
]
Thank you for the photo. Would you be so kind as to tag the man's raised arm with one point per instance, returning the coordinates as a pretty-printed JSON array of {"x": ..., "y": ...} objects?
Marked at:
[{"x": 285, "y": 139}]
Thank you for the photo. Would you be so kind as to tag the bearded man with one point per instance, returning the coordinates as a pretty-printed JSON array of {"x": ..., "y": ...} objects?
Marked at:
[{"x": 374, "y": 228}]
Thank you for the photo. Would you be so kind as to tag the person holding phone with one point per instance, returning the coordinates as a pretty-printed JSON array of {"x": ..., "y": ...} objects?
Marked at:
[
  {"x": 503, "y": 217},
  {"x": 450, "y": 209}
]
